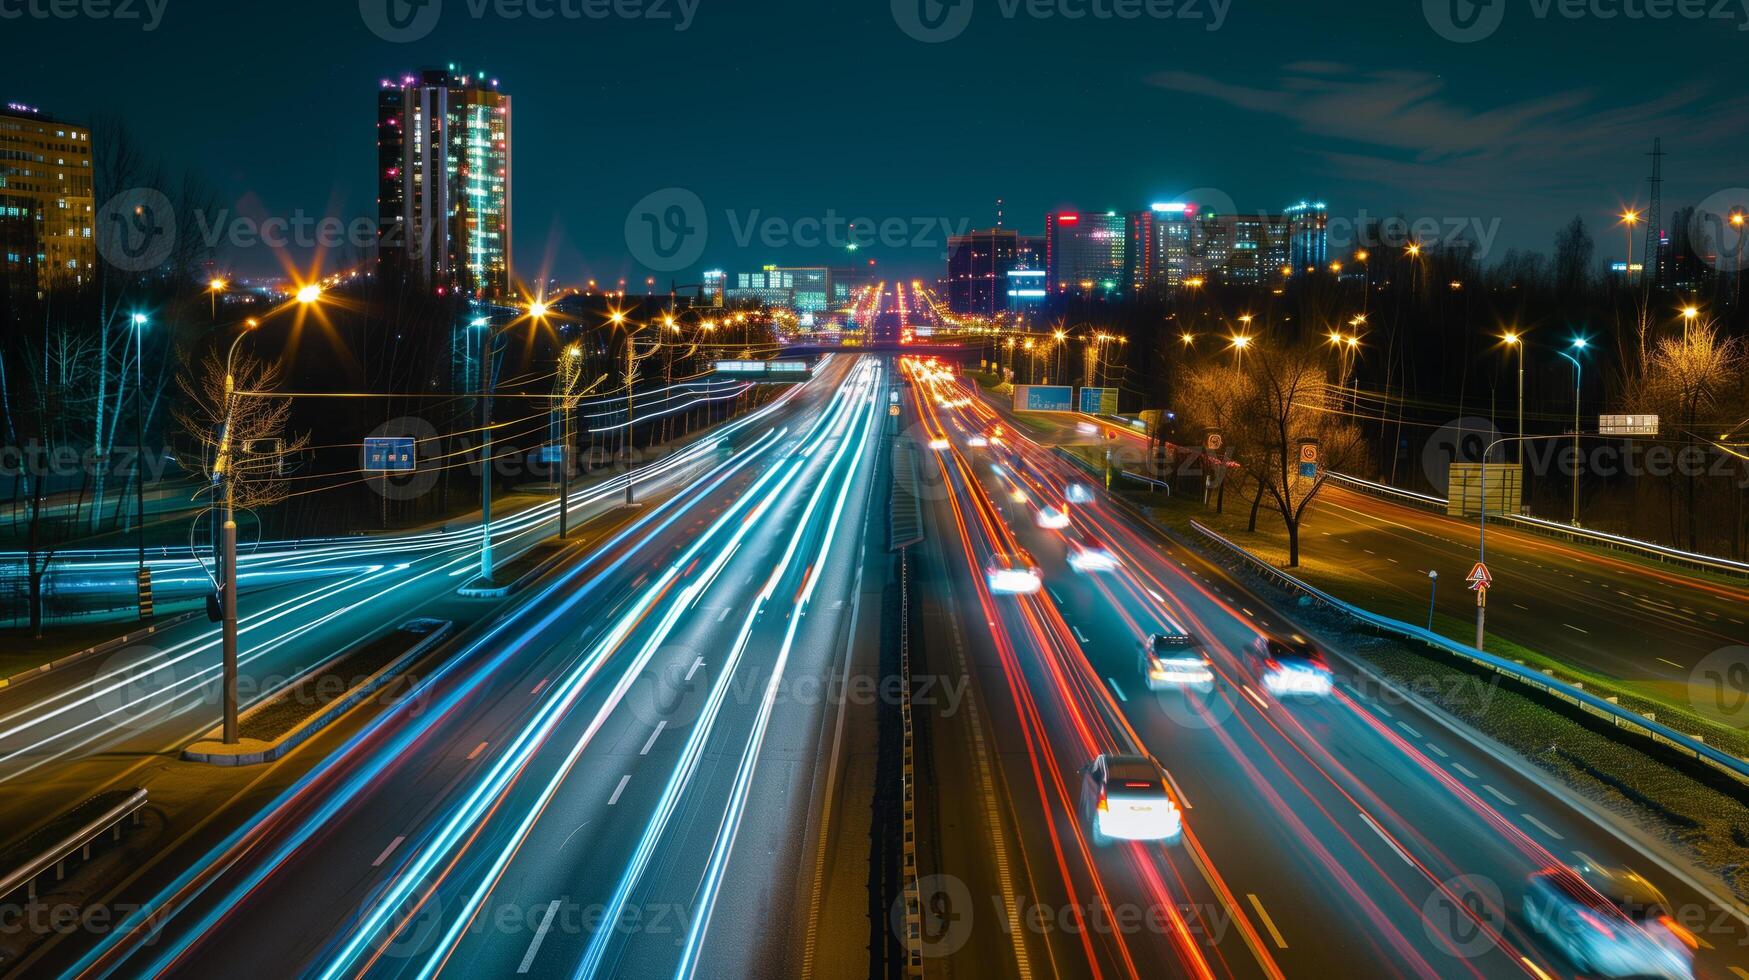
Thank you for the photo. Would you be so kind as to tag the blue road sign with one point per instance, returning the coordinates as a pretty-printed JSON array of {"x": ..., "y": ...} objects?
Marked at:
[
  {"x": 1044, "y": 398},
  {"x": 1099, "y": 401},
  {"x": 389, "y": 454}
]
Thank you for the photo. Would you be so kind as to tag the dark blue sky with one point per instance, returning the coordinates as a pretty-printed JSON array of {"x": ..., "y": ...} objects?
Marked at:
[{"x": 792, "y": 109}]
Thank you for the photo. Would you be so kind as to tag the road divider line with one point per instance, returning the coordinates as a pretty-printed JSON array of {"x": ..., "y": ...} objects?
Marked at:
[
  {"x": 384, "y": 856},
  {"x": 540, "y": 936},
  {"x": 1113, "y": 682},
  {"x": 1460, "y": 767},
  {"x": 1268, "y": 923},
  {"x": 477, "y": 750},
  {"x": 1080, "y": 635},
  {"x": 621, "y": 788},
  {"x": 1502, "y": 797},
  {"x": 652, "y": 739},
  {"x": 1545, "y": 828},
  {"x": 1387, "y": 838},
  {"x": 696, "y": 664}
]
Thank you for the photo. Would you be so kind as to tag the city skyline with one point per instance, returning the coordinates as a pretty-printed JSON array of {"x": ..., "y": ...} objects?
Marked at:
[{"x": 596, "y": 125}]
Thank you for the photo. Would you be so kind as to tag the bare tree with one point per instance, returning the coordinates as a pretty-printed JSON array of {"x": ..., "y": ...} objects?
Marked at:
[
  {"x": 217, "y": 417},
  {"x": 1691, "y": 378}
]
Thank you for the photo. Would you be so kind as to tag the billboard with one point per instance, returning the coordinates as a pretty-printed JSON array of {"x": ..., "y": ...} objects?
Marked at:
[
  {"x": 1099, "y": 401},
  {"x": 1044, "y": 398},
  {"x": 1504, "y": 485},
  {"x": 778, "y": 369}
]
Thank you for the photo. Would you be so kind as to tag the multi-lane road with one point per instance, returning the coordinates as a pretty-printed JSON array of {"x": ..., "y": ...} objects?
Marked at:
[
  {"x": 642, "y": 765},
  {"x": 1351, "y": 835}
]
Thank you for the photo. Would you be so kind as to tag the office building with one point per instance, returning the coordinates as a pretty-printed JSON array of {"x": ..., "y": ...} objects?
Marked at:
[
  {"x": 802, "y": 289},
  {"x": 1309, "y": 236},
  {"x": 444, "y": 179},
  {"x": 47, "y": 215},
  {"x": 715, "y": 285},
  {"x": 978, "y": 264},
  {"x": 1026, "y": 290},
  {"x": 1085, "y": 253},
  {"x": 1158, "y": 246}
]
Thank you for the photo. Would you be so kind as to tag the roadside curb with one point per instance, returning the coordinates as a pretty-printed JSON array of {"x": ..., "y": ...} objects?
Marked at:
[
  {"x": 105, "y": 647},
  {"x": 214, "y": 752}
]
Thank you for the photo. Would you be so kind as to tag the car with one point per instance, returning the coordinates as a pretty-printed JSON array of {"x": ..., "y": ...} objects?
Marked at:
[
  {"x": 1079, "y": 493},
  {"x": 1013, "y": 574},
  {"x": 938, "y": 444},
  {"x": 1609, "y": 921},
  {"x": 1126, "y": 797},
  {"x": 1176, "y": 660},
  {"x": 1051, "y": 519},
  {"x": 1090, "y": 556},
  {"x": 977, "y": 441},
  {"x": 1290, "y": 665}
]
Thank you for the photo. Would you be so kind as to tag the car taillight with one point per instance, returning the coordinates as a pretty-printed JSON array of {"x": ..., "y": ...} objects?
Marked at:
[
  {"x": 1680, "y": 931},
  {"x": 1103, "y": 807}
]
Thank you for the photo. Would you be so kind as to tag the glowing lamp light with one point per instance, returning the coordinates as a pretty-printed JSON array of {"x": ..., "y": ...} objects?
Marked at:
[
  {"x": 309, "y": 294},
  {"x": 537, "y": 309}
]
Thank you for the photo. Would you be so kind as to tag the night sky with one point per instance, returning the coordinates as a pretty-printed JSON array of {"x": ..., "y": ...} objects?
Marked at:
[{"x": 792, "y": 108}]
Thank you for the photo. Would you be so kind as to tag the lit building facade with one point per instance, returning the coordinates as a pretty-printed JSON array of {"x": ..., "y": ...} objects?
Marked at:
[
  {"x": 47, "y": 215},
  {"x": 1309, "y": 236},
  {"x": 1085, "y": 253},
  {"x": 1026, "y": 291},
  {"x": 978, "y": 264},
  {"x": 1158, "y": 246},
  {"x": 803, "y": 289},
  {"x": 444, "y": 179}
]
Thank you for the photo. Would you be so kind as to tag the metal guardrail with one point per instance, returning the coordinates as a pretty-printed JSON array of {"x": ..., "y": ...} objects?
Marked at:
[
  {"x": 79, "y": 840},
  {"x": 1624, "y": 720},
  {"x": 908, "y": 849},
  {"x": 1658, "y": 552}
]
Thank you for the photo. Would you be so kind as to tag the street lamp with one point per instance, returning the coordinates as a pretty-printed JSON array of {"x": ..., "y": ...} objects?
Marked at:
[
  {"x": 214, "y": 288},
  {"x": 488, "y": 383},
  {"x": 569, "y": 371},
  {"x": 1629, "y": 218},
  {"x": 139, "y": 322},
  {"x": 227, "y": 566},
  {"x": 1513, "y": 339},
  {"x": 1238, "y": 344},
  {"x": 1579, "y": 344}
]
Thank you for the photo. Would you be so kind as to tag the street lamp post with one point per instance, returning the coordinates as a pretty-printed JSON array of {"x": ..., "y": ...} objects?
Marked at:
[
  {"x": 1578, "y": 375},
  {"x": 139, "y": 452},
  {"x": 1513, "y": 339},
  {"x": 568, "y": 372},
  {"x": 1433, "y": 596},
  {"x": 227, "y": 567},
  {"x": 488, "y": 383}
]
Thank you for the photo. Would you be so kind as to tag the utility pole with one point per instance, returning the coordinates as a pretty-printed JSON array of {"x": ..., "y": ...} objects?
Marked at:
[{"x": 225, "y": 483}]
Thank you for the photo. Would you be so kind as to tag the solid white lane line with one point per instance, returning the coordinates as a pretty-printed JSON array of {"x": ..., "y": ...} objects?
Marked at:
[
  {"x": 652, "y": 739},
  {"x": 621, "y": 788},
  {"x": 1572, "y": 627},
  {"x": 384, "y": 856},
  {"x": 1673, "y": 664},
  {"x": 1268, "y": 923},
  {"x": 540, "y": 935},
  {"x": 1119, "y": 690},
  {"x": 1386, "y": 838},
  {"x": 1545, "y": 828},
  {"x": 696, "y": 664},
  {"x": 477, "y": 750},
  {"x": 1502, "y": 797}
]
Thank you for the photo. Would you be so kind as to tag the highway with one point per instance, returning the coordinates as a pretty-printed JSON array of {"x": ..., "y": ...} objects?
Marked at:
[
  {"x": 606, "y": 754},
  {"x": 634, "y": 768},
  {"x": 1614, "y": 616},
  {"x": 1324, "y": 836}
]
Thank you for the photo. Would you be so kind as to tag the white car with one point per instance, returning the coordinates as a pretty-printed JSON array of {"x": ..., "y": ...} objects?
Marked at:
[
  {"x": 1290, "y": 665},
  {"x": 1176, "y": 660},
  {"x": 1127, "y": 798},
  {"x": 1051, "y": 519},
  {"x": 1610, "y": 922},
  {"x": 1079, "y": 493},
  {"x": 938, "y": 444},
  {"x": 1013, "y": 574},
  {"x": 1090, "y": 556}
]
